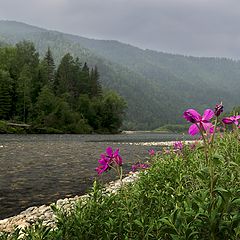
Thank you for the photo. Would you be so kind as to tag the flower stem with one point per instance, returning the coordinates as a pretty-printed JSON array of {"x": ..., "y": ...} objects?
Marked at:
[
  {"x": 214, "y": 131},
  {"x": 205, "y": 144}
]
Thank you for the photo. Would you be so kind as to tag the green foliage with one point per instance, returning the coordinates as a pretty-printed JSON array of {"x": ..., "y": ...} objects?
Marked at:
[
  {"x": 5, "y": 94},
  {"x": 171, "y": 200},
  {"x": 112, "y": 110},
  {"x": 6, "y": 128},
  {"x": 68, "y": 100}
]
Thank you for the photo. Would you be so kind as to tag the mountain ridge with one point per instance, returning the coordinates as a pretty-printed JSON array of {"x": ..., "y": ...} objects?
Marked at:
[{"x": 168, "y": 83}]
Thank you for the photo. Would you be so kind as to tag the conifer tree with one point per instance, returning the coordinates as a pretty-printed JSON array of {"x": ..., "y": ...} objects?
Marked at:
[
  {"x": 24, "y": 102},
  {"x": 95, "y": 86},
  {"x": 28, "y": 58},
  {"x": 49, "y": 66},
  {"x": 85, "y": 80},
  {"x": 64, "y": 74},
  {"x": 5, "y": 95}
]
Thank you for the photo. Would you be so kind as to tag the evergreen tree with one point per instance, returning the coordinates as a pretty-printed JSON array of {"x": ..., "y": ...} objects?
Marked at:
[
  {"x": 24, "y": 101},
  {"x": 28, "y": 58},
  {"x": 64, "y": 76},
  {"x": 68, "y": 79},
  {"x": 49, "y": 65},
  {"x": 5, "y": 95},
  {"x": 45, "y": 106},
  {"x": 71, "y": 101},
  {"x": 112, "y": 111},
  {"x": 95, "y": 86},
  {"x": 85, "y": 80}
]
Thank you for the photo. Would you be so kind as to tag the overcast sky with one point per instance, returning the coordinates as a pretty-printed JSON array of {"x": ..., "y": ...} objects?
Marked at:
[{"x": 191, "y": 27}]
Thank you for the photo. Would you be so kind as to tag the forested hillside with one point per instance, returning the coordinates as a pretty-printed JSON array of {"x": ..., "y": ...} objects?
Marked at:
[
  {"x": 67, "y": 99},
  {"x": 157, "y": 86}
]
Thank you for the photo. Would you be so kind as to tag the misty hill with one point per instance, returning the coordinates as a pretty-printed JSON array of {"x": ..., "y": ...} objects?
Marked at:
[{"x": 157, "y": 86}]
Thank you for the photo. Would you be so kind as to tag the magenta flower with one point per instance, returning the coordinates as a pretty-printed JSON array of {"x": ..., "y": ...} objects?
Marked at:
[
  {"x": 218, "y": 109},
  {"x": 231, "y": 120},
  {"x": 166, "y": 151},
  {"x": 138, "y": 165},
  {"x": 114, "y": 156},
  {"x": 199, "y": 122},
  {"x": 151, "y": 152},
  {"x": 104, "y": 164},
  {"x": 178, "y": 145},
  {"x": 109, "y": 159}
]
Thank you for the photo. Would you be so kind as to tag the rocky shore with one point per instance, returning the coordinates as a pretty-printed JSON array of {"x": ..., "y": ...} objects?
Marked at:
[{"x": 45, "y": 213}]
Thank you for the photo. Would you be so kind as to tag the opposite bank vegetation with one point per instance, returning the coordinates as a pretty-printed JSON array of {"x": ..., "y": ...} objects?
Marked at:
[
  {"x": 183, "y": 192},
  {"x": 66, "y": 99}
]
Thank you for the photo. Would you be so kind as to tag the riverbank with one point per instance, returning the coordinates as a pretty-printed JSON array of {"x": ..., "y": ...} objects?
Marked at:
[
  {"x": 45, "y": 213},
  {"x": 187, "y": 193},
  {"x": 40, "y": 169}
]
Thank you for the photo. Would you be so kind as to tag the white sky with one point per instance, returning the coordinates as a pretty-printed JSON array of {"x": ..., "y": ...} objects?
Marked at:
[{"x": 191, "y": 27}]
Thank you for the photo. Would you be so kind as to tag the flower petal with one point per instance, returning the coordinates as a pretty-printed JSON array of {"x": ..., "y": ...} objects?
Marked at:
[
  {"x": 193, "y": 130},
  {"x": 116, "y": 153},
  {"x": 208, "y": 114},
  {"x": 236, "y": 122},
  {"x": 109, "y": 151},
  {"x": 192, "y": 115},
  {"x": 208, "y": 127},
  {"x": 227, "y": 120}
]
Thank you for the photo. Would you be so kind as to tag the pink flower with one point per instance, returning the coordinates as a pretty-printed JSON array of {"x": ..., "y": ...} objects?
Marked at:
[
  {"x": 114, "y": 156},
  {"x": 104, "y": 164},
  {"x": 151, "y": 152},
  {"x": 166, "y": 151},
  {"x": 138, "y": 165},
  {"x": 199, "y": 122},
  {"x": 231, "y": 120},
  {"x": 108, "y": 159},
  {"x": 218, "y": 109},
  {"x": 178, "y": 145}
]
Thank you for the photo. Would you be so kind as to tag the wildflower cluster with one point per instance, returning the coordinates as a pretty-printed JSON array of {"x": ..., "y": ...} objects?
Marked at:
[
  {"x": 151, "y": 152},
  {"x": 110, "y": 160},
  {"x": 139, "y": 165}
]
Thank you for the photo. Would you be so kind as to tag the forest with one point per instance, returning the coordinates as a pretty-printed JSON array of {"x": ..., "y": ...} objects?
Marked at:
[
  {"x": 68, "y": 98},
  {"x": 157, "y": 86}
]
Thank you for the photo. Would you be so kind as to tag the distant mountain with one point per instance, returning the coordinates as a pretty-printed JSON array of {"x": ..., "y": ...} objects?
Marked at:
[{"x": 157, "y": 86}]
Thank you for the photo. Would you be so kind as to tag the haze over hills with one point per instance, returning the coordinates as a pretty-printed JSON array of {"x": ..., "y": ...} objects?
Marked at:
[{"x": 157, "y": 86}]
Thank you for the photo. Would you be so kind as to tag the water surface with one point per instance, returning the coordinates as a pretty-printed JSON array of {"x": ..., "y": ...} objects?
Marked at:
[{"x": 39, "y": 169}]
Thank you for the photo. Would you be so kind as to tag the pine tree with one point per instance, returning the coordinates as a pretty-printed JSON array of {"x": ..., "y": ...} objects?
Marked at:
[
  {"x": 5, "y": 95},
  {"x": 45, "y": 106},
  {"x": 95, "y": 86},
  {"x": 68, "y": 79},
  {"x": 49, "y": 66},
  {"x": 64, "y": 75},
  {"x": 24, "y": 102},
  {"x": 28, "y": 58},
  {"x": 85, "y": 80}
]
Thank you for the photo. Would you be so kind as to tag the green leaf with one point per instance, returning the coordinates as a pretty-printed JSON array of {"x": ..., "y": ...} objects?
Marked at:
[
  {"x": 217, "y": 158},
  {"x": 139, "y": 223}
]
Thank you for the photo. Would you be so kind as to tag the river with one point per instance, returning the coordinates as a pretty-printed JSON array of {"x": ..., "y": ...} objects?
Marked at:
[{"x": 39, "y": 169}]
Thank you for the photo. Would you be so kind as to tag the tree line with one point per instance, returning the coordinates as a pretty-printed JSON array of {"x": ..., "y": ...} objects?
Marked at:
[{"x": 68, "y": 97}]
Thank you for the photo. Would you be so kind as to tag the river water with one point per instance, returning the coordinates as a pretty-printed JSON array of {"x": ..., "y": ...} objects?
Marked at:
[{"x": 39, "y": 169}]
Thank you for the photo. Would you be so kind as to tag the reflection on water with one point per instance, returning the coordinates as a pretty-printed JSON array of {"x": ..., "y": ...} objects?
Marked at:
[{"x": 39, "y": 169}]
